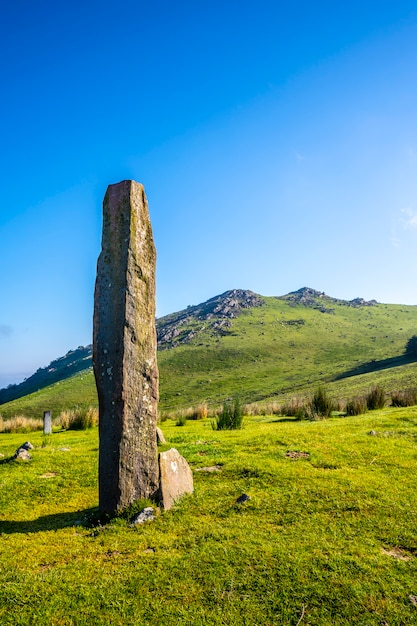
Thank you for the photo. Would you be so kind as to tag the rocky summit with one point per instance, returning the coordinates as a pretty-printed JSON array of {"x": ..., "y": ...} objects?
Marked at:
[{"x": 217, "y": 312}]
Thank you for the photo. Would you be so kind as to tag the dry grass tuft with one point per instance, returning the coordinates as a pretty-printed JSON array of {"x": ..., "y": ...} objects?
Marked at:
[
  {"x": 78, "y": 419},
  {"x": 20, "y": 424}
]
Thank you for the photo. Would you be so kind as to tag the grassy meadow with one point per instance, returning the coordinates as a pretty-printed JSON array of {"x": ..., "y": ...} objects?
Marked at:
[{"x": 328, "y": 536}]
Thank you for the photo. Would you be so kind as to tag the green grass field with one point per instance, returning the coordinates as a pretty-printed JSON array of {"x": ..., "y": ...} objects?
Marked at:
[{"x": 328, "y": 538}]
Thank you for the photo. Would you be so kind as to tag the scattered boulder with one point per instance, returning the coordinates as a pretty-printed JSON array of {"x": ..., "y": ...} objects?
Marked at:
[
  {"x": 146, "y": 515},
  {"x": 243, "y": 498},
  {"x": 176, "y": 477},
  {"x": 373, "y": 433},
  {"x": 160, "y": 436},
  {"x": 22, "y": 453},
  {"x": 413, "y": 600}
]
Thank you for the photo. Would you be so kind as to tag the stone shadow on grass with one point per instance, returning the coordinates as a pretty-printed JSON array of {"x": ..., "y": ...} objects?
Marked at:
[{"x": 84, "y": 519}]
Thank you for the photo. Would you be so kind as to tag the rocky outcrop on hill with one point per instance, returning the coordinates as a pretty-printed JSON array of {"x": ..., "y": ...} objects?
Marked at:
[
  {"x": 319, "y": 300},
  {"x": 217, "y": 313}
]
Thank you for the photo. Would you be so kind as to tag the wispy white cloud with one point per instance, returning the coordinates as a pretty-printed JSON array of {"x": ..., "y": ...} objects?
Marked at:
[
  {"x": 405, "y": 220},
  {"x": 409, "y": 218}
]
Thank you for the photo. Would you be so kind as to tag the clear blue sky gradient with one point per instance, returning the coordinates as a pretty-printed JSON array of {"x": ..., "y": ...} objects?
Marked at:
[{"x": 277, "y": 143}]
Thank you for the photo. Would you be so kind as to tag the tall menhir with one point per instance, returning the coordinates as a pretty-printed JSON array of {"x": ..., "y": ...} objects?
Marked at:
[{"x": 124, "y": 350}]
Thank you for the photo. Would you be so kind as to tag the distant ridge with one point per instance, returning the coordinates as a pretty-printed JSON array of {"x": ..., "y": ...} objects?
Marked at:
[
  {"x": 318, "y": 300},
  {"x": 213, "y": 316},
  {"x": 64, "y": 367}
]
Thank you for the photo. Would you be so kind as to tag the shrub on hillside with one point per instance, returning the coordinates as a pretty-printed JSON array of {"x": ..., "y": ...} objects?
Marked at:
[
  {"x": 408, "y": 397},
  {"x": 356, "y": 406},
  {"x": 321, "y": 404},
  {"x": 375, "y": 398},
  {"x": 297, "y": 408},
  {"x": 231, "y": 416},
  {"x": 181, "y": 420},
  {"x": 78, "y": 419},
  {"x": 197, "y": 413}
]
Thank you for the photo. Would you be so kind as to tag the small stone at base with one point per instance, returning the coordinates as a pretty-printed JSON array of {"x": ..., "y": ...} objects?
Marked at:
[{"x": 147, "y": 515}]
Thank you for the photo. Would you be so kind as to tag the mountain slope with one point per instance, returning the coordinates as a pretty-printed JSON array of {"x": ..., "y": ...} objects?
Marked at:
[
  {"x": 172, "y": 330},
  {"x": 64, "y": 367},
  {"x": 259, "y": 347}
]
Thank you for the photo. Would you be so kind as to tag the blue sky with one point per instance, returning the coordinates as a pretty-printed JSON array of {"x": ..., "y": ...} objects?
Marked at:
[{"x": 277, "y": 144}]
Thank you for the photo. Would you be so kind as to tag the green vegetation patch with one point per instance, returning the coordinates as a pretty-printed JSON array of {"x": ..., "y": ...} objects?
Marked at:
[{"x": 327, "y": 535}]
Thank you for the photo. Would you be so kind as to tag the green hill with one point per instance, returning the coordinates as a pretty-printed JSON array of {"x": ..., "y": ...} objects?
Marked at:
[{"x": 259, "y": 347}]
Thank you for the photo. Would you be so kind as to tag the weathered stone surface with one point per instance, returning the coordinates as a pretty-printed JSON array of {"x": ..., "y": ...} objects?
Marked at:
[
  {"x": 176, "y": 477},
  {"x": 160, "y": 436},
  {"x": 22, "y": 452},
  {"x": 243, "y": 498},
  {"x": 147, "y": 515},
  {"x": 124, "y": 350},
  {"x": 47, "y": 423}
]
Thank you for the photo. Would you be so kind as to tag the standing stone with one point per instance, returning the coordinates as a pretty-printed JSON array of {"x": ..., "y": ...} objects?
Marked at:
[
  {"x": 47, "y": 423},
  {"x": 124, "y": 350}
]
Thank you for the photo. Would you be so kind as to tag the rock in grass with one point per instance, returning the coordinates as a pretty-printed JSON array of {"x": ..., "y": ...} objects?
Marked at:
[
  {"x": 243, "y": 498},
  {"x": 146, "y": 515},
  {"x": 160, "y": 436},
  {"x": 176, "y": 477},
  {"x": 22, "y": 453}
]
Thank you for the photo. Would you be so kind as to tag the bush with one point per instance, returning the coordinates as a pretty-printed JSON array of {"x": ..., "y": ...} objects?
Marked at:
[
  {"x": 404, "y": 398},
  {"x": 181, "y": 420},
  {"x": 356, "y": 406},
  {"x": 321, "y": 404},
  {"x": 375, "y": 398},
  {"x": 197, "y": 413},
  {"x": 78, "y": 419},
  {"x": 296, "y": 407},
  {"x": 231, "y": 416}
]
